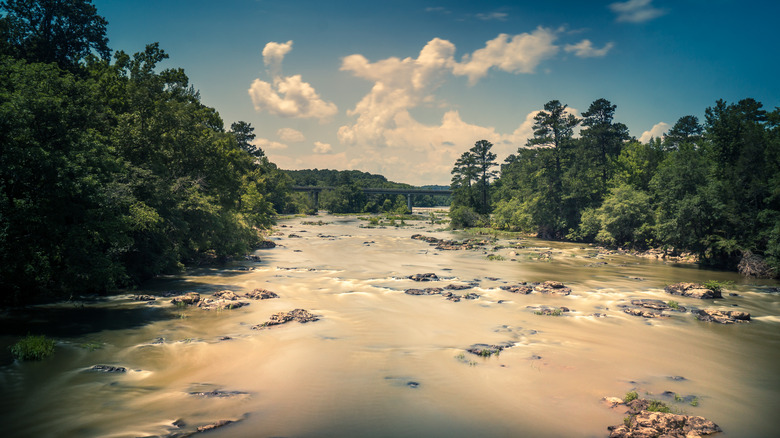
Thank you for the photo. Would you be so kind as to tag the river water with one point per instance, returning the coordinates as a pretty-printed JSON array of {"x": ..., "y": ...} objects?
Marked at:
[{"x": 382, "y": 363}]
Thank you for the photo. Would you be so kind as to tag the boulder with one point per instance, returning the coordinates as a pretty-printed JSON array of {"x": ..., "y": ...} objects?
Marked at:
[
  {"x": 647, "y": 424},
  {"x": 553, "y": 287},
  {"x": 144, "y": 298},
  {"x": 426, "y": 291},
  {"x": 693, "y": 290},
  {"x": 518, "y": 289},
  {"x": 458, "y": 286},
  {"x": 487, "y": 350},
  {"x": 430, "y": 276},
  {"x": 108, "y": 369},
  {"x": 226, "y": 295},
  {"x": 189, "y": 298},
  {"x": 221, "y": 304},
  {"x": 261, "y": 294},
  {"x": 266, "y": 244},
  {"x": 644, "y": 313},
  {"x": 722, "y": 316},
  {"x": 279, "y": 318}
]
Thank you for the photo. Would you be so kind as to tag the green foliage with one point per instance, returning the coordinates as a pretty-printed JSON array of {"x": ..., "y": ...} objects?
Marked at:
[
  {"x": 114, "y": 172},
  {"x": 694, "y": 402},
  {"x": 630, "y": 396},
  {"x": 464, "y": 217},
  {"x": 658, "y": 406},
  {"x": 673, "y": 304},
  {"x": 33, "y": 348},
  {"x": 710, "y": 189},
  {"x": 717, "y": 286}
]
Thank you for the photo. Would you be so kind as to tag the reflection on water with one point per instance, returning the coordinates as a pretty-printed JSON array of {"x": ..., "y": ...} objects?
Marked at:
[{"x": 380, "y": 362}]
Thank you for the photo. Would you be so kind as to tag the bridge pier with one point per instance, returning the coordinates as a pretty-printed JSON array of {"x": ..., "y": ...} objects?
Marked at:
[{"x": 409, "y": 202}]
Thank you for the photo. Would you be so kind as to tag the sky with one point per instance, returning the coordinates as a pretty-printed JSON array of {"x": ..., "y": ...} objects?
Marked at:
[{"x": 402, "y": 88}]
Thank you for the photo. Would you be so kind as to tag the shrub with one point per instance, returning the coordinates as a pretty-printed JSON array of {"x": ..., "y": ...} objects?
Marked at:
[
  {"x": 464, "y": 217},
  {"x": 33, "y": 348}
]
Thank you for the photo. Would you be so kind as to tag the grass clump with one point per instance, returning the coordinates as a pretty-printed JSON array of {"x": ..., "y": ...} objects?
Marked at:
[
  {"x": 658, "y": 406},
  {"x": 674, "y": 305},
  {"x": 495, "y": 257},
  {"x": 695, "y": 402},
  {"x": 91, "y": 345},
  {"x": 717, "y": 286},
  {"x": 630, "y": 396},
  {"x": 33, "y": 348}
]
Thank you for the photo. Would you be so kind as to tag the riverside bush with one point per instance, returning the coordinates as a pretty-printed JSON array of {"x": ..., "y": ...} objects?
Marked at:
[{"x": 33, "y": 348}]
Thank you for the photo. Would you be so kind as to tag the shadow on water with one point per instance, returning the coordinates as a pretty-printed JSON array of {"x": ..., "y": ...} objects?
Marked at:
[{"x": 69, "y": 320}]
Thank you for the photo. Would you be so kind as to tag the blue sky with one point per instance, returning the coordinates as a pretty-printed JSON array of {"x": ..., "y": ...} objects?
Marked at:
[{"x": 402, "y": 88}]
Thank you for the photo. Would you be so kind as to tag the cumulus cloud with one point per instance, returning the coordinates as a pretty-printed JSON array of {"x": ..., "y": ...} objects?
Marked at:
[
  {"x": 266, "y": 144},
  {"x": 290, "y": 135},
  {"x": 636, "y": 11},
  {"x": 585, "y": 49},
  {"x": 385, "y": 137},
  {"x": 514, "y": 54},
  {"x": 657, "y": 131},
  {"x": 322, "y": 148},
  {"x": 287, "y": 96}
]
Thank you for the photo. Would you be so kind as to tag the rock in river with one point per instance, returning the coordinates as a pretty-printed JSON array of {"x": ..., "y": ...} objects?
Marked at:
[
  {"x": 693, "y": 290},
  {"x": 187, "y": 299},
  {"x": 722, "y": 316},
  {"x": 300, "y": 315},
  {"x": 647, "y": 424},
  {"x": 430, "y": 276},
  {"x": 553, "y": 287},
  {"x": 261, "y": 294}
]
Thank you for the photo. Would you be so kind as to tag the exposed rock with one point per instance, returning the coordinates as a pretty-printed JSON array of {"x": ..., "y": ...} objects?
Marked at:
[
  {"x": 209, "y": 304},
  {"x": 261, "y": 294},
  {"x": 426, "y": 291},
  {"x": 430, "y": 276},
  {"x": 299, "y": 315},
  {"x": 226, "y": 295},
  {"x": 753, "y": 265},
  {"x": 693, "y": 290},
  {"x": 253, "y": 258},
  {"x": 294, "y": 236},
  {"x": 189, "y": 298},
  {"x": 518, "y": 289},
  {"x": 487, "y": 350},
  {"x": 458, "y": 286},
  {"x": 553, "y": 287},
  {"x": 215, "y": 425},
  {"x": 471, "y": 296},
  {"x": 217, "y": 394},
  {"x": 108, "y": 369},
  {"x": 266, "y": 244},
  {"x": 145, "y": 298},
  {"x": 722, "y": 316},
  {"x": 657, "y": 305},
  {"x": 647, "y": 424},
  {"x": 451, "y": 297},
  {"x": 643, "y": 313}
]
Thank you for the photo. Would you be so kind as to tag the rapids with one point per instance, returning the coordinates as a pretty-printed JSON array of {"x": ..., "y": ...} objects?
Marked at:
[{"x": 382, "y": 363}]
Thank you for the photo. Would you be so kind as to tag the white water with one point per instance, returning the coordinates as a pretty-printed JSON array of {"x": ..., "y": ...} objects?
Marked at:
[{"x": 383, "y": 363}]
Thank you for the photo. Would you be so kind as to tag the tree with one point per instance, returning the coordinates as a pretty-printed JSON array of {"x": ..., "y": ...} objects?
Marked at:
[
  {"x": 602, "y": 139},
  {"x": 687, "y": 129},
  {"x": 484, "y": 160},
  {"x": 553, "y": 130},
  {"x": 245, "y": 133},
  {"x": 61, "y": 31},
  {"x": 464, "y": 174}
]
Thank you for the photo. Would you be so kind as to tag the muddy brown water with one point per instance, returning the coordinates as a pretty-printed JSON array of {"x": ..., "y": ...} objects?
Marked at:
[{"x": 381, "y": 363}]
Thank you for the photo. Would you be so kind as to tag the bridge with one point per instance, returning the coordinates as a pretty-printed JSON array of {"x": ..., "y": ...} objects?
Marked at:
[{"x": 314, "y": 192}]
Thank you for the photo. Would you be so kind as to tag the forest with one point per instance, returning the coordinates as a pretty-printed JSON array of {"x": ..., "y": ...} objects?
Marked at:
[
  {"x": 711, "y": 189},
  {"x": 112, "y": 169}
]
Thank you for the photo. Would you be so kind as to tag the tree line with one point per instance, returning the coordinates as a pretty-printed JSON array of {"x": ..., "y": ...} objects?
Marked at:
[
  {"x": 113, "y": 171},
  {"x": 710, "y": 188}
]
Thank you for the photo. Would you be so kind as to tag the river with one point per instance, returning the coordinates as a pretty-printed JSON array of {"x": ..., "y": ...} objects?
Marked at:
[{"x": 383, "y": 363}]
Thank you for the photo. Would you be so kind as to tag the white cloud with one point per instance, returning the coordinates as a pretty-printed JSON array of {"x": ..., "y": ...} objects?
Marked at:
[
  {"x": 322, "y": 148},
  {"x": 290, "y": 135},
  {"x": 273, "y": 54},
  {"x": 287, "y": 96},
  {"x": 657, "y": 131},
  {"x": 636, "y": 11},
  {"x": 265, "y": 144},
  {"x": 585, "y": 49},
  {"x": 516, "y": 54}
]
